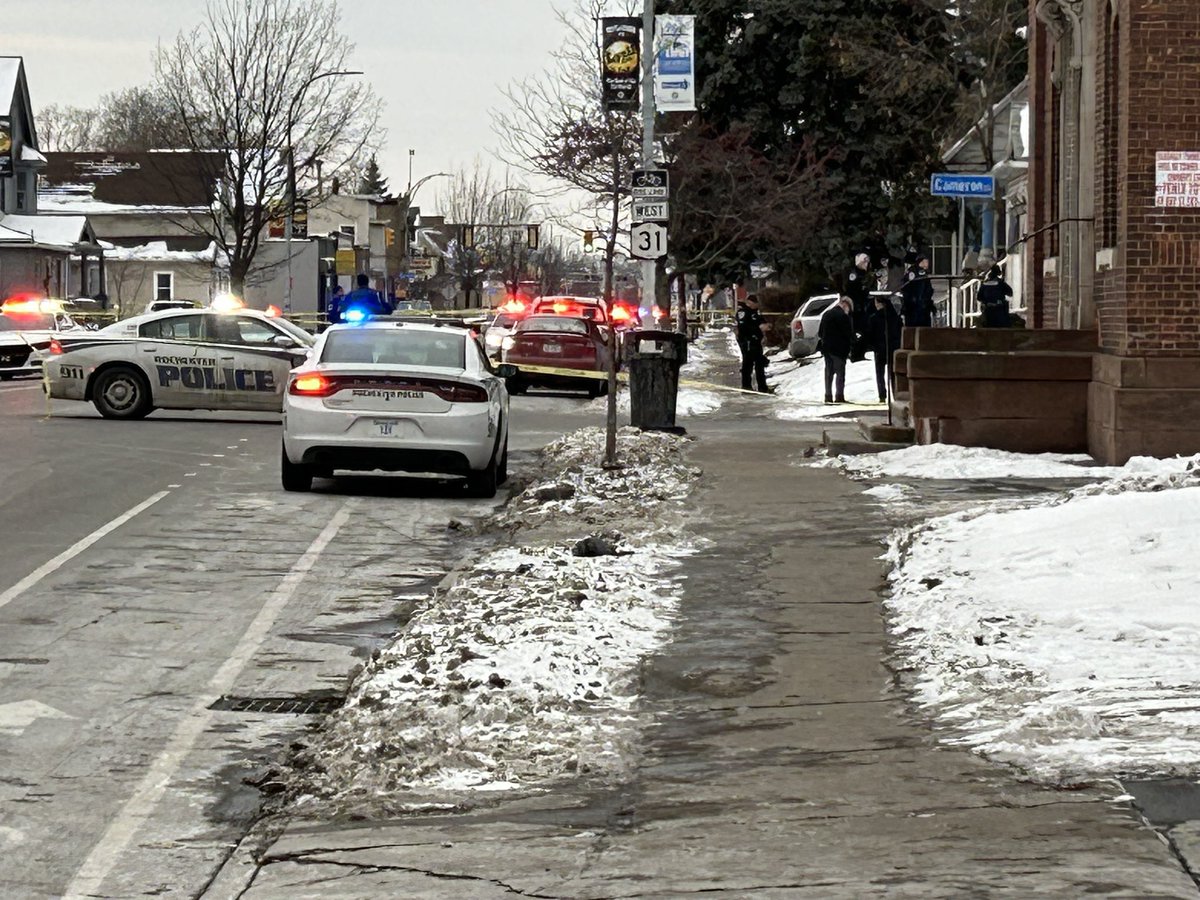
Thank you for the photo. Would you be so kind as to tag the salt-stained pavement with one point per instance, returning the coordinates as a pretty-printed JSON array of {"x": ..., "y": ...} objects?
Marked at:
[{"x": 770, "y": 742}]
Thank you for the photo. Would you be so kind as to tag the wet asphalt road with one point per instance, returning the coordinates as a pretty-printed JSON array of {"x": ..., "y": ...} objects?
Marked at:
[{"x": 156, "y": 587}]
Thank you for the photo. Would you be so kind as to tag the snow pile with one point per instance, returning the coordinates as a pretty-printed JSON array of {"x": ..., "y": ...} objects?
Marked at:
[
  {"x": 1061, "y": 636},
  {"x": 576, "y": 489},
  {"x": 950, "y": 462},
  {"x": 526, "y": 668},
  {"x": 156, "y": 251}
]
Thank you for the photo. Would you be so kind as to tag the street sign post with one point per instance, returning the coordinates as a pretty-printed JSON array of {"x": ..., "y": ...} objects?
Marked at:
[
  {"x": 650, "y": 184},
  {"x": 951, "y": 184},
  {"x": 651, "y": 211},
  {"x": 648, "y": 240}
]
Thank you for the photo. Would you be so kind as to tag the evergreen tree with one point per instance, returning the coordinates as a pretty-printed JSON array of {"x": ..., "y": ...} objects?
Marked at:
[
  {"x": 865, "y": 80},
  {"x": 373, "y": 182}
]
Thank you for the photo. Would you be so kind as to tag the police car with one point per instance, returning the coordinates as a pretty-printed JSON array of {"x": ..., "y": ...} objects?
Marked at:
[
  {"x": 397, "y": 396},
  {"x": 27, "y": 325},
  {"x": 178, "y": 359}
]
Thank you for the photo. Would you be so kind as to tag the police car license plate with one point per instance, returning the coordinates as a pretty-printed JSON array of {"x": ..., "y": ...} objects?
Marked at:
[
  {"x": 552, "y": 348},
  {"x": 390, "y": 428}
]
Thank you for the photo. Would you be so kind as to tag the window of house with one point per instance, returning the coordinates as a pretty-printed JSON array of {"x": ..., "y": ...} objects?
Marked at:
[
  {"x": 3, "y": 194},
  {"x": 22, "y": 192},
  {"x": 164, "y": 285},
  {"x": 350, "y": 230}
]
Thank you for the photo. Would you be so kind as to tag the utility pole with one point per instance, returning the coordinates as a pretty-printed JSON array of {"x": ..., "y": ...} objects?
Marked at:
[{"x": 649, "y": 266}]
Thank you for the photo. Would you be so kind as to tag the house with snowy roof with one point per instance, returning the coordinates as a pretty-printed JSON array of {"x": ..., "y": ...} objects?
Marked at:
[
  {"x": 151, "y": 211},
  {"x": 55, "y": 256}
]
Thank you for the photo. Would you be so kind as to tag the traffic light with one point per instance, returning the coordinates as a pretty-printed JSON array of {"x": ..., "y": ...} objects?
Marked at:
[{"x": 589, "y": 238}]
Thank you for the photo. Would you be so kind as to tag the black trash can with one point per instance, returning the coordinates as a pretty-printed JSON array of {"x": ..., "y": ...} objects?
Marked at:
[{"x": 654, "y": 359}]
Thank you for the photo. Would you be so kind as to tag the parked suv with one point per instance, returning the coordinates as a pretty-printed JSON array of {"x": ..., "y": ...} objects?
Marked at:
[
  {"x": 805, "y": 323},
  {"x": 807, "y": 320}
]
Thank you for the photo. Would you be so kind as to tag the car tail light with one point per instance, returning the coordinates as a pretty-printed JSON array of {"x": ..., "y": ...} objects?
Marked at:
[
  {"x": 463, "y": 393},
  {"x": 312, "y": 386},
  {"x": 798, "y": 327},
  {"x": 56, "y": 347}
]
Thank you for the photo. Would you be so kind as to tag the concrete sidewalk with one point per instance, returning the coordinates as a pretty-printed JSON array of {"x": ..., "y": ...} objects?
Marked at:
[{"x": 780, "y": 757}]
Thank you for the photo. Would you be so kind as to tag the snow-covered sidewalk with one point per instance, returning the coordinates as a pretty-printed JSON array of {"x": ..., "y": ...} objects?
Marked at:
[
  {"x": 1060, "y": 634},
  {"x": 525, "y": 669}
]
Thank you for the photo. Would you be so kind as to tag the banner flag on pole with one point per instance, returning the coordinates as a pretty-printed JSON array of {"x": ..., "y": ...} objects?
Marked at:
[
  {"x": 620, "y": 62},
  {"x": 675, "y": 63}
]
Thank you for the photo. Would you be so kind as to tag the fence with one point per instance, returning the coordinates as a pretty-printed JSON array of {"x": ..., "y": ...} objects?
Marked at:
[{"x": 963, "y": 302}]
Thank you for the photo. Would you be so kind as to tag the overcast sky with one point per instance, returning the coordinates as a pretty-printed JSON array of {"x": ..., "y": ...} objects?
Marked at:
[{"x": 439, "y": 65}]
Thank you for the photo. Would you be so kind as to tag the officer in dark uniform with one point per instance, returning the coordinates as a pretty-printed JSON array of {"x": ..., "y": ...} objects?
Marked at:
[
  {"x": 917, "y": 306},
  {"x": 860, "y": 281},
  {"x": 750, "y": 327}
]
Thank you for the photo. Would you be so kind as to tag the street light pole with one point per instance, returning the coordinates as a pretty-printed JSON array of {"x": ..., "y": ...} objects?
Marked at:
[
  {"x": 291, "y": 181},
  {"x": 408, "y": 198}
]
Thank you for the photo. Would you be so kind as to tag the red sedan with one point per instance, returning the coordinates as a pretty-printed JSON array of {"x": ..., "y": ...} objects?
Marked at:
[{"x": 557, "y": 342}]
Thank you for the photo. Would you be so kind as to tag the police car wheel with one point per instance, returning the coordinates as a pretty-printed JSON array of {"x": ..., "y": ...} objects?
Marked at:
[
  {"x": 295, "y": 476},
  {"x": 502, "y": 469},
  {"x": 484, "y": 483},
  {"x": 121, "y": 393}
]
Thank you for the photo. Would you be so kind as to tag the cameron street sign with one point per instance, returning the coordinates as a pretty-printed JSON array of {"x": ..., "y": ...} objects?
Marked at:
[{"x": 951, "y": 184}]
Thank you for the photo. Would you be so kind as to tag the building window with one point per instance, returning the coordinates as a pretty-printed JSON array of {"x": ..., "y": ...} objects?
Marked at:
[
  {"x": 351, "y": 231},
  {"x": 22, "y": 193},
  {"x": 164, "y": 285}
]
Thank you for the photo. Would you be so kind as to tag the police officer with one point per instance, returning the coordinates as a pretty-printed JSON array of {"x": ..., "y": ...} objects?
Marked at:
[
  {"x": 362, "y": 297},
  {"x": 860, "y": 281},
  {"x": 917, "y": 306},
  {"x": 750, "y": 328}
]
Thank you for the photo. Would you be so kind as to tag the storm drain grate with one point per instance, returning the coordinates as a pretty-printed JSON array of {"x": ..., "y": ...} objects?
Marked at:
[{"x": 317, "y": 703}]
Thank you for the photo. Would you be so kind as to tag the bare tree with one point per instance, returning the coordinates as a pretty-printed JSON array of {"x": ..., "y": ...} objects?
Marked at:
[
  {"x": 464, "y": 201},
  {"x": 558, "y": 128},
  {"x": 730, "y": 203},
  {"x": 267, "y": 83},
  {"x": 66, "y": 129},
  {"x": 137, "y": 118}
]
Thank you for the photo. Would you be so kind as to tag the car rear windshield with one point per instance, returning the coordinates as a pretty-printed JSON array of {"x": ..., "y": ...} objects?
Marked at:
[
  {"x": 816, "y": 306},
  {"x": 554, "y": 323},
  {"x": 26, "y": 322},
  {"x": 396, "y": 347},
  {"x": 505, "y": 320}
]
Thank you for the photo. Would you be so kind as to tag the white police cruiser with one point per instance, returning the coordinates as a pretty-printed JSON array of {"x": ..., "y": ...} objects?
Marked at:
[
  {"x": 178, "y": 359},
  {"x": 26, "y": 328},
  {"x": 397, "y": 396}
]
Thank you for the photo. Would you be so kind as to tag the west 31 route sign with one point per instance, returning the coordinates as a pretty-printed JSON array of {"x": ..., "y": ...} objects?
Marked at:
[{"x": 648, "y": 240}]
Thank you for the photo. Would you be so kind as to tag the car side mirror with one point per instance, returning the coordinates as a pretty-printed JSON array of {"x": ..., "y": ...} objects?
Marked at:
[
  {"x": 507, "y": 370},
  {"x": 284, "y": 341}
]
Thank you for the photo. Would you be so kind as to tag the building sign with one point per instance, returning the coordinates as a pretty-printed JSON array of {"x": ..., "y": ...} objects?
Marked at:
[
  {"x": 6, "y": 148},
  {"x": 1177, "y": 178},
  {"x": 346, "y": 262},
  {"x": 300, "y": 220},
  {"x": 620, "y": 60},
  {"x": 951, "y": 184},
  {"x": 675, "y": 65}
]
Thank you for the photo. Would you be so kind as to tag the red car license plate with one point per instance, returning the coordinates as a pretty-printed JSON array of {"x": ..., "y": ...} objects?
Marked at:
[{"x": 552, "y": 348}]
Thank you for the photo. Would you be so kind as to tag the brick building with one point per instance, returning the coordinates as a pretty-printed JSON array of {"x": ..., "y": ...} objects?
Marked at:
[{"x": 1114, "y": 210}]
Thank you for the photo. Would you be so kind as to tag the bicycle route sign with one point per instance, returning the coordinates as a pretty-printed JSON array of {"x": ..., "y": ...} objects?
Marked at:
[{"x": 649, "y": 184}]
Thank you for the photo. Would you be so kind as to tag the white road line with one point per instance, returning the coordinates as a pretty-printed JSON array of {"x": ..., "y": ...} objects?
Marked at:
[
  {"x": 75, "y": 549},
  {"x": 139, "y": 807}
]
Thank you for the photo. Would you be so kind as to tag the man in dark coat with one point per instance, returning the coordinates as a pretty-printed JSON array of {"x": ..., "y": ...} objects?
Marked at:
[
  {"x": 860, "y": 281},
  {"x": 750, "y": 327},
  {"x": 883, "y": 330},
  {"x": 917, "y": 306},
  {"x": 993, "y": 300},
  {"x": 836, "y": 338},
  {"x": 365, "y": 299}
]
